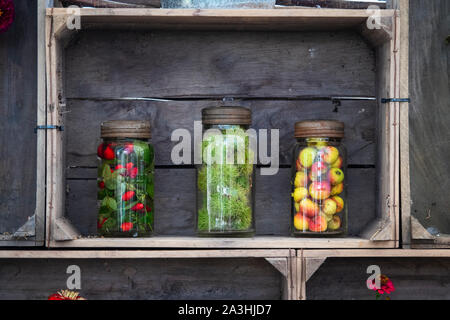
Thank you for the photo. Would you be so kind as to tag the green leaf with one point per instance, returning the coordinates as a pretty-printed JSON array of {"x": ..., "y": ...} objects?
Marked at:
[
  {"x": 110, "y": 203},
  {"x": 106, "y": 171}
]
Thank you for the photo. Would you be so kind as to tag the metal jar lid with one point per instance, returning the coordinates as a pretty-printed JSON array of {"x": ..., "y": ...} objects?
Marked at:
[
  {"x": 319, "y": 129},
  {"x": 126, "y": 129},
  {"x": 227, "y": 115}
]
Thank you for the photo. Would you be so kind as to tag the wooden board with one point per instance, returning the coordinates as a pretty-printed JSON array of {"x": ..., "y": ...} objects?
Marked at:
[
  {"x": 188, "y": 64},
  {"x": 413, "y": 278},
  {"x": 83, "y": 119},
  {"x": 250, "y": 278},
  {"x": 18, "y": 113},
  {"x": 175, "y": 202},
  {"x": 429, "y": 117}
]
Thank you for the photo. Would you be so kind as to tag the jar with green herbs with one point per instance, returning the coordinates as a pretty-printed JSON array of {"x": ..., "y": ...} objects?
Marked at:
[
  {"x": 125, "y": 179},
  {"x": 225, "y": 179},
  {"x": 319, "y": 206}
]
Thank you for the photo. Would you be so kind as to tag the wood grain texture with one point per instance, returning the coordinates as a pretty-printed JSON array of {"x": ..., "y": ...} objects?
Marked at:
[
  {"x": 413, "y": 278},
  {"x": 175, "y": 202},
  {"x": 429, "y": 116},
  {"x": 83, "y": 119},
  {"x": 144, "y": 279},
  {"x": 18, "y": 113},
  {"x": 341, "y": 4},
  {"x": 197, "y": 64}
]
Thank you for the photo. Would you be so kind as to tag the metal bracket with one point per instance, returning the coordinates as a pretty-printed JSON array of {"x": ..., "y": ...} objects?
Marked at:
[
  {"x": 387, "y": 100},
  {"x": 59, "y": 128}
]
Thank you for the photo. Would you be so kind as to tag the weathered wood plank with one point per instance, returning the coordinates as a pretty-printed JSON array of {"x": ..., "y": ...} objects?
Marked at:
[
  {"x": 175, "y": 198},
  {"x": 18, "y": 113},
  {"x": 143, "y": 279},
  {"x": 83, "y": 121},
  {"x": 429, "y": 116},
  {"x": 413, "y": 278},
  {"x": 341, "y": 4},
  {"x": 189, "y": 64}
]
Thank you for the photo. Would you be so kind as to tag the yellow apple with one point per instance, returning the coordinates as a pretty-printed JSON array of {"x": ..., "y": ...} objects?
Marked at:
[
  {"x": 329, "y": 207},
  {"x": 301, "y": 222},
  {"x": 301, "y": 179},
  {"x": 299, "y": 194},
  {"x": 307, "y": 157}
]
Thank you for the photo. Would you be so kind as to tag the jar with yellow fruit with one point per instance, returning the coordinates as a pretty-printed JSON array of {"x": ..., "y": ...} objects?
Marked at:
[{"x": 319, "y": 205}]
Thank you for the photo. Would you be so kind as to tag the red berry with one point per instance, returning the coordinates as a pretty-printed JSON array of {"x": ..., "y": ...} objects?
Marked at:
[
  {"x": 108, "y": 154},
  {"x": 119, "y": 166},
  {"x": 138, "y": 207},
  {"x": 101, "y": 185},
  {"x": 126, "y": 226},
  {"x": 128, "y": 195},
  {"x": 148, "y": 209},
  {"x": 100, "y": 150}
]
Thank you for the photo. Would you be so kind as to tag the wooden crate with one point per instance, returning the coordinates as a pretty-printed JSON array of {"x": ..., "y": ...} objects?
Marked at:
[
  {"x": 309, "y": 261},
  {"x": 251, "y": 263},
  {"x": 305, "y": 63}
]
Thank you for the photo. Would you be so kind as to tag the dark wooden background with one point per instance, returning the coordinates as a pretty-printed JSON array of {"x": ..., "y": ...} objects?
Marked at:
[
  {"x": 18, "y": 76},
  {"x": 236, "y": 278}
]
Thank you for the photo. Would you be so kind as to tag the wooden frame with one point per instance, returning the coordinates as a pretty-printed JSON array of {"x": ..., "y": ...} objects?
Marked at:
[
  {"x": 309, "y": 261},
  {"x": 382, "y": 233},
  {"x": 283, "y": 261}
]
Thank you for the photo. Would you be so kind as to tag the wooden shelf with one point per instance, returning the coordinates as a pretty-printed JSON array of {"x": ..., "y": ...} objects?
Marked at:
[
  {"x": 214, "y": 243},
  {"x": 140, "y": 254}
]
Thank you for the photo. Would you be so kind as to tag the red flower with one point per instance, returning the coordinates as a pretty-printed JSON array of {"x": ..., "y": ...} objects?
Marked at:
[
  {"x": 138, "y": 207},
  {"x": 6, "y": 14},
  {"x": 101, "y": 185},
  {"x": 66, "y": 295},
  {"x": 148, "y": 209},
  {"x": 126, "y": 226},
  {"x": 386, "y": 285},
  {"x": 119, "y": 166},
  {"x": 128, "y": 195}
]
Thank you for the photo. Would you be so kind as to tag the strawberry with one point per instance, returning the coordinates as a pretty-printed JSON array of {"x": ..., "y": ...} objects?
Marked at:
[
  {"x": 119, "y": 166},
  {"x": 138, "y": 207},
  {"x": 148, "y": 209},
  {"x": 101, "y": 185},
  {"x": 128, "y": 195},
  {"x": 108, "y": 153},
  {"x": 126, "y": 226}
]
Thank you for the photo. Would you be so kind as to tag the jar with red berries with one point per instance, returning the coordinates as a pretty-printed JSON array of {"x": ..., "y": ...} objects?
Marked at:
[
  {"x": 125, "y": 179},
  {"x": 319, "y": 205}
]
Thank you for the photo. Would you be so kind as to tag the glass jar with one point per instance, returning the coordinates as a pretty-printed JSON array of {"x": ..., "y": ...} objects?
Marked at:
[
  {"x": 125, "y": 180},
  {"x": 225, "y": 179},
  {"x": 319, "y": 205}
]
